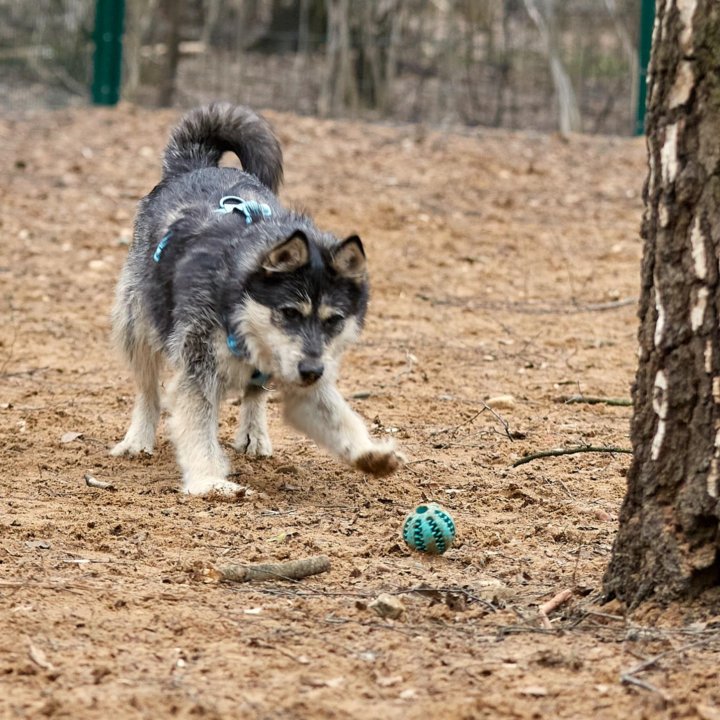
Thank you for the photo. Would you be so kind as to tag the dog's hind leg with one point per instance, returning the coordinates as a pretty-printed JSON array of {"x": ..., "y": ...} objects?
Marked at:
[
  {"x": 323, "y": 415},
  {"x": 252, "y": 437},
  {"x": 194, "y": 427},
  {"x": 140, "y": 436}
]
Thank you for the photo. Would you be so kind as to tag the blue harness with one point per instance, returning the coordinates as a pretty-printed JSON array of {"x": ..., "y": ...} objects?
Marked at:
[{"x": 252, "y": 210}]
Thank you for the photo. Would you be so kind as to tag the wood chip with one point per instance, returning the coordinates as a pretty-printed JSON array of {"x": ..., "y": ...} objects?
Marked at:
[
  {"x": 90, "y": 481},
  {"x": 387, "y": 606},
  {"x": 39, "y": 657}
]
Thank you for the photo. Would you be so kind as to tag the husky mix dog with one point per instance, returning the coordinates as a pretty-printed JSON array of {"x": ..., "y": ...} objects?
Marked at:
[{"x": 234, "y": 291}]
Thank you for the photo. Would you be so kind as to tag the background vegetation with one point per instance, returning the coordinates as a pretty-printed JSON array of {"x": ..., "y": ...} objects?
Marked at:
[{"x": 531, "y": 64}]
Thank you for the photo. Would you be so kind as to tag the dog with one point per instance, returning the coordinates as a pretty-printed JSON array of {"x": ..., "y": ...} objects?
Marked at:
[{"x": 234, "y": 291}]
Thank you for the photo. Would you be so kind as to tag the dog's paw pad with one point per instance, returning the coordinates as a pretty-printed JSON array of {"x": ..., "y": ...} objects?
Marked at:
[{"x": 379, "y": 462}]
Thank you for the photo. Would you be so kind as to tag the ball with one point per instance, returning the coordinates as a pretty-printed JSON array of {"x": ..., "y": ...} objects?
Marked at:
[{"x": 429, "y": 529}]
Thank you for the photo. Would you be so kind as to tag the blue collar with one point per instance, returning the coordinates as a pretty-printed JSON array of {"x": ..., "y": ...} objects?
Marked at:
[{"x": 238, "y": 349}]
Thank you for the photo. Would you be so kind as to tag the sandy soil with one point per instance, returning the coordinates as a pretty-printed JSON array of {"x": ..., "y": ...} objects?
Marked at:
[{"x": 502, "y": 265}]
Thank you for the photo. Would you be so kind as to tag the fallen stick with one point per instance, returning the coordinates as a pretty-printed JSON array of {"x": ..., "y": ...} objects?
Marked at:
[
  {"x": 291, "y": 570},
  {"x": 569, "y": 451},
  {"x": 553, "y": 604},
  {"x": 590, "y": 400}
]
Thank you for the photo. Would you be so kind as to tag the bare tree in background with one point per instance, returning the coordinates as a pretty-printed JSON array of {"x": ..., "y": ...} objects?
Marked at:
[
  {"x": 542, "y": 13},
  {"x": 139, "y": 18},
  {"x": 339, "y": 90},
  {"x": 629, "y": 50},
  {"x": 456, "y": 61},
  {"x": 172, "y": 12}
]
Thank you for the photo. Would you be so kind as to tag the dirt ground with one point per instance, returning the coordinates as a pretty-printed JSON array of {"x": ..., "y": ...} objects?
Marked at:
[{"x": 502, "y": 265}]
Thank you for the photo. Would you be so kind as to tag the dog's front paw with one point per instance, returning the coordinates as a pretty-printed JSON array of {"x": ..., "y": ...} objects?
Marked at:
[
  {"x": 254, "y": 443},
  {"x": 379, "y": 461},
  {"x": 219, "y": 486},
  {"x": 132, "y": 446}
]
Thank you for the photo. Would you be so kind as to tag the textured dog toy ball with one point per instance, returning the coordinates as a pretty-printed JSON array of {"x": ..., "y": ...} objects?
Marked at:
[{"x": 429, "y": 529}]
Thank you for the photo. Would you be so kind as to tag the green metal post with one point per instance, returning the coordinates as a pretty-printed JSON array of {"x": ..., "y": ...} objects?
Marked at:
[
  {"x": 107, "y": 62},
  {"x": 647, "y": 20}
]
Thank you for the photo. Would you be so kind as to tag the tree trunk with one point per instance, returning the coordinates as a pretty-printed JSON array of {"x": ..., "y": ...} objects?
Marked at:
[
  {"x": 172, "y": 10},
  {"x": 668, "y": 540}
]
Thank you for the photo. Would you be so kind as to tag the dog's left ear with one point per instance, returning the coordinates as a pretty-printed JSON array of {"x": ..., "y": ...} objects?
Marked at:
[
  {"x": 349, "y": 259},
  {"x": 288, "y": 255}
]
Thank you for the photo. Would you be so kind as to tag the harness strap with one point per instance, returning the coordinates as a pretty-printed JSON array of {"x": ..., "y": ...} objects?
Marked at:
[{"x": 251, "y": 209}]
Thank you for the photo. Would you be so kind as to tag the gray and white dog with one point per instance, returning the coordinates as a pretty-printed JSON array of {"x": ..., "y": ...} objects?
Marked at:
[{"x": 232, "y": 290}]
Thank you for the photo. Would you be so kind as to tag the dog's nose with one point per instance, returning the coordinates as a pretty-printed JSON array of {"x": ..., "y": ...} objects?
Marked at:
[{"x": 310, "y": 371}]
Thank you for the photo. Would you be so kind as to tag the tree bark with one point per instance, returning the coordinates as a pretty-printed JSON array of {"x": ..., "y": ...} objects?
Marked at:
[
  {"x": 668, "y": 540},
  {"x": 172, "y": 10}
]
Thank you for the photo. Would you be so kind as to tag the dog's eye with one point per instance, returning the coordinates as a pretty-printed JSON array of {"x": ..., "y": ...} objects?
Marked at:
[
  {"x": 333, "y": 323},
  {"x": 291, "y": 314}
]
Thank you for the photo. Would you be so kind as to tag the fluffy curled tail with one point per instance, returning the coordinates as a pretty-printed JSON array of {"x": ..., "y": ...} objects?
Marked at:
[{"x": 205, "y": 133}]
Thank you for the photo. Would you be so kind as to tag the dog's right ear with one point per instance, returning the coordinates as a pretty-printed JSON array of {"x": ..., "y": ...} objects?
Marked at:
[{"x": 288, "y": 255}]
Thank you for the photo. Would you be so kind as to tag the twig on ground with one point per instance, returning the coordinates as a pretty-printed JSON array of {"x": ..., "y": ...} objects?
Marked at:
[
  {"x": 452, "y": 429},
  {"x": 300, "y": 659},
  {"x": 628, "y": 677},
  {"x": 570, "y": 451},
  {"x": 630, "y": 680},
  {"x": 31, "y": 371},
  {"x": 592, "y": 400},
  {"x": 529, "y": 308},
  {"x": 501, "y": 420},
  {"x": 553, "y": 604},
  {"x": 290, "y": 570}
]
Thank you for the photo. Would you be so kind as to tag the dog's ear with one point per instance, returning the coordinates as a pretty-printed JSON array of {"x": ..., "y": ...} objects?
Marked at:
[
  {"x": 349, "y": 259},
  {"x": 288, "y": 255}
]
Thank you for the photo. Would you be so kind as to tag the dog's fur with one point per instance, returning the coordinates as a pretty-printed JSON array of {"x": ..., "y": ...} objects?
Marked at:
[{"x": 290, "y": 296}]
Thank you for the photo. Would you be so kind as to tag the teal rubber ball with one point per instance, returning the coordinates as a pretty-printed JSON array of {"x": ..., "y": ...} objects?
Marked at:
[{"x": 429, "y": 529}]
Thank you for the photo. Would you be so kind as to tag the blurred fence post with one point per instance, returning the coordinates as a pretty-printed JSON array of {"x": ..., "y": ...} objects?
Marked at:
[
  {"x": 647, "y": 20},
  {"x": 107, "y": 62}
]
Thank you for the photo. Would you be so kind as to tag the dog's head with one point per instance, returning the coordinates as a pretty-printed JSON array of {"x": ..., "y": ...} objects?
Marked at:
[{"x": 303, "y": 306}]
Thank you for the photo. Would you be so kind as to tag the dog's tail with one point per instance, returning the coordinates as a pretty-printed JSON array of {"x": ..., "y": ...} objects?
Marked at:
[{"x": 205, "y": 133}]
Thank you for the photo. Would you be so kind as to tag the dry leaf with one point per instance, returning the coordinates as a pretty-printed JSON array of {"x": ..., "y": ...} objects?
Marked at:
[
  {"x": 39, "y": 657},
  {"x": 389, "y": 681},
  {"x": 707, "y": 712},
  {"x": 68, "y": 437},
  {"x": 501, "y": 402},
  {"x": 38, "y": 544}
]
